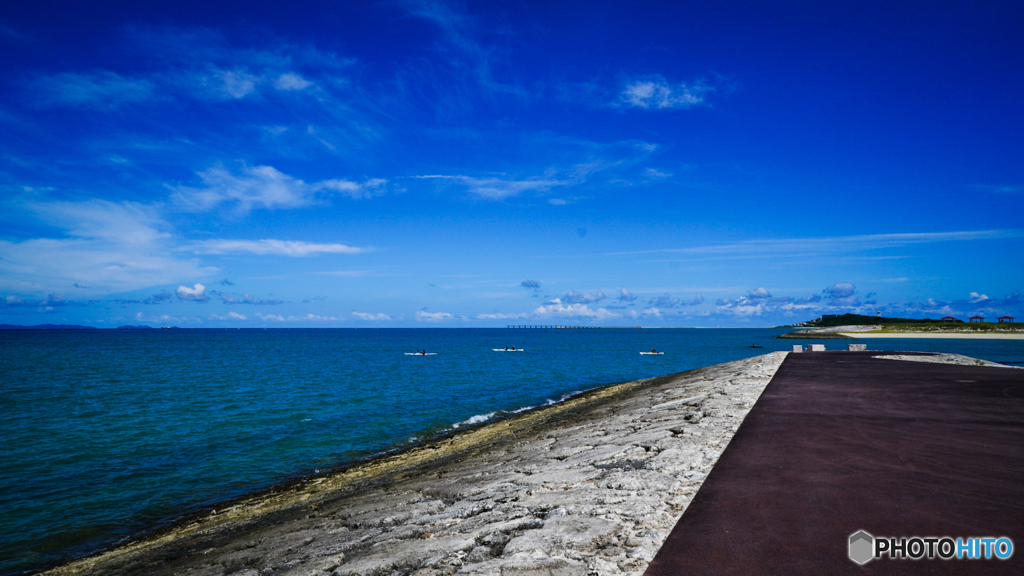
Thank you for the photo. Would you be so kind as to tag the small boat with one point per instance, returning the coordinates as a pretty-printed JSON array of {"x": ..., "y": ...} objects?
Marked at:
[
  {"x": 650, "y": 353},
  {"x": 755, "y": 346},
  {"x": 508, "y": 349},
  {"x": 421, "y": 353}
]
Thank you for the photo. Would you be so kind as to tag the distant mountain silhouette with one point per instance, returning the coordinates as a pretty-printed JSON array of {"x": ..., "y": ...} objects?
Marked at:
[{"x": 47, "y": 327}]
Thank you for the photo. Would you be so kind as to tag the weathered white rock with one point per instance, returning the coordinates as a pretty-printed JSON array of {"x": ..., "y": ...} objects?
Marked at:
[{"x": 589, "y": 486}]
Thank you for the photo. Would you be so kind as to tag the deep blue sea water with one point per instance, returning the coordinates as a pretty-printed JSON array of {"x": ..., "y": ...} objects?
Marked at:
[{"x": 104, "y": 434}]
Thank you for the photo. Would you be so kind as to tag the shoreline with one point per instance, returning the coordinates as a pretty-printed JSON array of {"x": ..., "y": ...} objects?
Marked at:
[
  {"x": 948, "y": 335},
  {"x": 668, "y": 430},
  {"x": 297, "y": 481}
]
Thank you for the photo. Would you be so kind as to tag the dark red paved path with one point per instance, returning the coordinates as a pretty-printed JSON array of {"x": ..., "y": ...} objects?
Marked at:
[{"x": 839, "y": 442}]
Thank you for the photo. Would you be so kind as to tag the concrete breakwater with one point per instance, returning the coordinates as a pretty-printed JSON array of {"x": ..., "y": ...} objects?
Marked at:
[{"x": 590, "y": 485}]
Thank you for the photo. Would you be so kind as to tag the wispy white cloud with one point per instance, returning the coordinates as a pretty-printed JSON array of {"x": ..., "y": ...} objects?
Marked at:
[
  {"x": 494, "y": 188},
  {"x": 591, "y": 163},
  {"x": 357, "y": 190},
  {"x": 500, "y": 316},
  {"x": 653, "y": 174},
  {"x": 270, "y": 317},
  {"x": 1002, "y": 189},
  {"x": 158, "y": 298},
  {"x": 226, "y": 298},
  {"x": 265, "y": 187},
  {"x": 53, "y": 300},
  {"x": 107, "y": 90},
  {"x": 255, "y": 187},
  {"x": 839, "y": 298},
  {"x": 8, "y": 32},
  {"x": 122, "y": 246},
  {"x": 228, "y": 316},
  {"x": 433, "y": 316},
  {"x": 574, "y": 297},
  {"x": 460, "y": 30},
  {"x": 120, "y": 222},
  {"x": 163, "y": 319},
  {"x": 291, "y": 81},
  {"x": 101, "y": 89},
  {"x": 451, "y": 21},
  {"x": 741, "y": 308},
  {"x": 655, "y": 312},
  {"x": 665, "y": 301},
  {"x": 108, "y": 246},
  {"x": 804, "y": 246},
  {"x": 350, "y": 273},
  {"x": 370, "y": 317},
  {"x": 229, "y": 84},
  {"x": 191, "y": 64},
  {"x": 975, "y": 303},
  {"x": 271, "y": 247},
  {"x": 756, "y": 302},
  {"x": 314, "y": 318},
  {"x": 655, "y": 92},
  {"x": 557, "y": 308},
  {"x": 797, "y": 306}
]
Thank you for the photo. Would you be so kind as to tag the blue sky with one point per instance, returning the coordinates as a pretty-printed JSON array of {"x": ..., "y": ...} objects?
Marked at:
[{"x": 480, "y": 164}]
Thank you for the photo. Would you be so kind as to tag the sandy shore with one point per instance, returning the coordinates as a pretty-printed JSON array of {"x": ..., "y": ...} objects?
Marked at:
[
  {"x": 589, "y": 486},
  {"x": 961, "y": 335}
]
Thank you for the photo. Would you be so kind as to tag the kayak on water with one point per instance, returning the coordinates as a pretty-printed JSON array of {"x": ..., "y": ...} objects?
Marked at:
[
  {"x": 507, "y": 349},
  {"x": 421, "y": 353},
  {"x": 652, "y": 353}
]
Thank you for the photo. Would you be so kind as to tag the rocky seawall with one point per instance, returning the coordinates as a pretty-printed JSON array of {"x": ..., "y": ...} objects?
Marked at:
[
  {"x": 828, "y": 333},
  {"x": 811, "y": 335},
  {"x": 592, "y": 485}
]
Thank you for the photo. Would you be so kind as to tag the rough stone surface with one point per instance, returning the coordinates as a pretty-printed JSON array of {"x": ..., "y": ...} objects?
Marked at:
[
  {"x": 589, "y": 486},
  {"x": 944, "y": 358}
]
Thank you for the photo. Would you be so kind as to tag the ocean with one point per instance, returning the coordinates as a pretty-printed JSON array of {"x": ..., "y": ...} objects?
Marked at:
[{"x": 108, "y": 434}]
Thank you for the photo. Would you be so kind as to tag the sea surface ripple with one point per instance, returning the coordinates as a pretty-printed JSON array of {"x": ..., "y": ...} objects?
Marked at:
[{"x": 107, "y": 434}]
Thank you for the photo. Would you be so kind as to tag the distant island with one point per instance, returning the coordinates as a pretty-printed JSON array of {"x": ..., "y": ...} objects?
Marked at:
[
  {"x": 78, "y": 327},
  {"x": 47, "y": 327},
  {"x": 829, "y": 320},
  {"x": 850, "y": 326}
]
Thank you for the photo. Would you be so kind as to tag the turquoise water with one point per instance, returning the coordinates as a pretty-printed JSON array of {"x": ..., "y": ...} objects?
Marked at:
[{"x": 106, "y": 434}]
